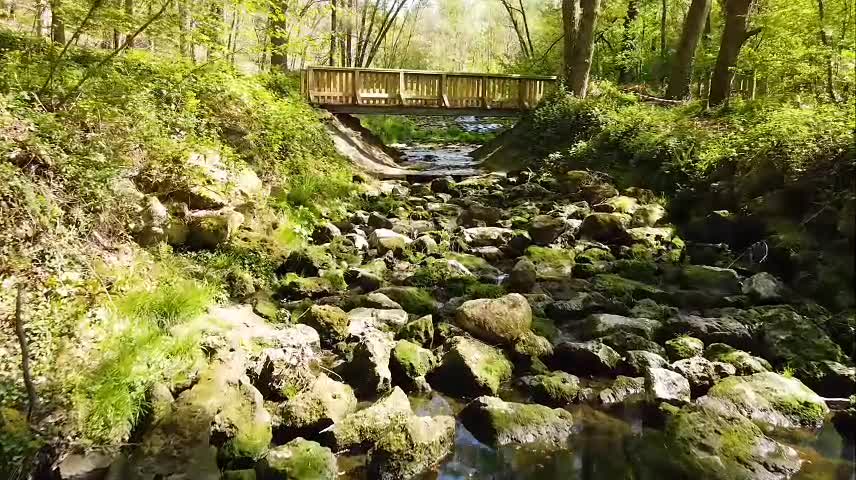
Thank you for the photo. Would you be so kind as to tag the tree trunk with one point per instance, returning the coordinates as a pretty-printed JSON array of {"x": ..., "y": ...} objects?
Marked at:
[
  {"x": 824, "y": 39},
  {"x": 349, "y": 35},
  {"x": 570, "y": 21},
  {"x": 584, "y": 48},
  {"x": 334, "y": 33},
  {"x": 182, "y": 29},
  {"x": 625, "y": 73},
  {"x": 734, "y": 35},
  {"x": 682, "y": 64},
  {"x": 664, "y": 9},
  {"x": 57, "y": 25}
]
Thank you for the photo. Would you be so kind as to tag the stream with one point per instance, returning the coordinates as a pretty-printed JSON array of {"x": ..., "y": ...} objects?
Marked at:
[{"x": 438, "y": 160}]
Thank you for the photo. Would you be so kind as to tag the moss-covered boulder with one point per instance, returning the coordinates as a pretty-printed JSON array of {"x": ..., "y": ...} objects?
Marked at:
[
  {"x": 666, "y": 386},
  {"x": 299, "y": 459},
  {"x": 623, "y": 342},
  {"x": 551, "y": 263},
  {"x": 329, "y": 321},
  {"x": 602, "y": 324},
  {"x": 770, "y": 400},
  {"x": 497, "y": 422},
  {"x": 208, "y": 229},
  {"x": 622, "y": 389},
  {"x": 744, "y": 363},
  {"x": 487, "y": 236},
  {"x": 500, "y": 320},
  {"x": 683, "y": 347},
  {"x": 531, "y": 345},
  {"x": 609, "y": 228},
  {"x": 705, "y": 277},
  {"x": 704, "y": 444},
  {"x": 411, "y": 447},
  {"x": 764, "y": 288},
  {"x": 420, "y": 331},
  {"x": 724, "y": 329},
  {"x": 788, "y": 339},
  {"x": 325, "y": 402},
  {"x": 409, "y": 365},
  {"x": 625, "y": 289},
  {"x": 470, "y": 367},
  {"x": 365, "y": 427},
  {"x": 293, "y": 287},
  {"x": 556, "y": 389},
  {"x": 545, "y": 229},
  {"x": 414, "y": 300},
  {"x": 702, "y": 373},
  {"x": 523, "y": 276},
  {"x": 585, "y": 358}
]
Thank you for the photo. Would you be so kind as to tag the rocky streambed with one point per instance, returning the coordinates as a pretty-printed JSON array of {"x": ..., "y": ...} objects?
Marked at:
[{"x": 516, "y": 326}]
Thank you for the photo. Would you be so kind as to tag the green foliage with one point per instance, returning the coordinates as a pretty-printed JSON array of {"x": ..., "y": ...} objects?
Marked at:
[
  {"x": 18, "y": 443},
  {"x": 167, "y": 305}
]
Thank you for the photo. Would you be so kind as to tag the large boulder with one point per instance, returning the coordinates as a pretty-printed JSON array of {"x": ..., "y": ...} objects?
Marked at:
[
  {"x": 770, "y": 400},
  {"x": 788, "y": 338},
  {"x": 419, "y": 331},
  {"x": 557, "y": 389},
  {"x": 299, "y": 459},
  {"x": 368, "y": 368},
  {"x": 683, "y": 347},
  {"x": 609, "y": 228},
  {"x": 545, "y": 229},
  {"x": 365, "y": 427},
  {"x": 710, "y": 329},
  {"x": 602, "y": 324},
  {"x": 705, "y": 277},
  {"x": 743, "y": 362},
  {"x": 500, "y": 320},
  {"x": 329, "y": 321},
  {"x": 324, "y": 403},
  {"x": 497, "y": 422},
  {"x": 207, "y": 229},
  {"x": 487, "y": 236},
  {"x": 763, "y": 287},
  {"x": 470, "y": 367},
  {"x": 411, "y": 447},
  {"x": 409, "y": 365},
  {"x": 637, "y": 361},
  {"x": 551, "y": 263},
  {"x": 702, "y": 373},
  {"x": 704, "y": 444},
  {"x": 585, "y": 358},
  {"x": 523, "y": 276},
  {"x": 663, "y": 385},
  {"x": 385, "y": 240}
]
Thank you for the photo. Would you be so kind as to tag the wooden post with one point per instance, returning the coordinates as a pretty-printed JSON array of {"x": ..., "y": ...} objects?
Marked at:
[
  {"x": 444, "y": 99},
  {"x": 484, "y": 92},
  {"x": 355, "y": 85},
  {"x": 521, "y": 94},
  {"x": 401, "y": 86},
  {"x": 309, "y": 84}
]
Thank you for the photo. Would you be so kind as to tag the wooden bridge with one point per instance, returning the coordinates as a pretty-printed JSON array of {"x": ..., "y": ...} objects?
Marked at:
[{"x": 416, "y": 92}]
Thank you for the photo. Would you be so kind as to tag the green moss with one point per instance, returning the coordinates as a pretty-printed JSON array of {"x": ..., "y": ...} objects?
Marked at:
[
  {"x": 625, "y": 289},
  {"x": 683, "y": 347},
  {"x": 545, "y": 327},
  {"x": 437, "y": 272},
  {"x": 412, "y": 299},
  {"x": 594, "y": 255},
  {"x": 551, "y": 263},
  {"x": 556, "y": 389},
  {"x": 809, "y": 412},
  {"x": 485, "y": 290},
  {"x": 641, "y": 270}
]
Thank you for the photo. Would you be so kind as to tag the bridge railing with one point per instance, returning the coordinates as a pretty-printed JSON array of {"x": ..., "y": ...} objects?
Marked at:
[{"x": 357, "y": 90}]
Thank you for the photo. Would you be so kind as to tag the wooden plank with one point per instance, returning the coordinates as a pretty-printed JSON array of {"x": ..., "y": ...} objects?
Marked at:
[
  {"x": 401, "y": 87},
  {"x": 444, "y": 99},
  {"x": 356, "y": 87}
]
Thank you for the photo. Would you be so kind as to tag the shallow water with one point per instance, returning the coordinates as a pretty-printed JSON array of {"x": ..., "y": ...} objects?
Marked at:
[{"x": 440, "y": 160}]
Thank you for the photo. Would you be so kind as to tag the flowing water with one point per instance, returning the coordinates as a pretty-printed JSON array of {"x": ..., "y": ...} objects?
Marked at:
[{"x": 440, "y": 160}]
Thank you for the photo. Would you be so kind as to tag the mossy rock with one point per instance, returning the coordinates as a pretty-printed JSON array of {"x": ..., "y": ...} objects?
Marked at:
[
  {"x": 545, "y": 327},
  {"x": 594, "y": 255},
  {"x": 293, "y": 287},
  {"x": 329, "y": 321},
  {"x": 634, "y": 269},
  {"x": 440, "y": 272},
  {"x": 623, "y": 342},
  {"x": 500, "y": 320},
  {"x": 647, "y": 308},
  {"x": 409, "y": 364},
  {"x": 556, "y": 389},
  {"x": 496, "y": 422},
  {"x": 299, "y": 459},
  {"x": 411, "y": 447},
  {"x": 470, "y": 367},
  {"x": 683, "y": 347},
  {"x": 414, "y": 300},
  {"x": 551, "y": 263},
  {"x": 480, "y": 267},
  {"x": 530, "y": 345},
  {"x": 625, "y": 289},
  {"x": 420, "y": 331},
  {"x": 704, "y": 277},
  {"x": 743, "y": 362},
  {"x": 789, "y": 339},
  {"x": 704, "y": 444},
  {"x": 770, "y": 400},
  {"x": 325, "y": 402},
  {"x": 367, "y": 426},
  {"x": 603, "y": 324}
]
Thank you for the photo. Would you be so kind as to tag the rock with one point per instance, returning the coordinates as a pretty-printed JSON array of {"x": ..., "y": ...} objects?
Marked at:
[
  {"x": 330, "y": 322},
  {"x": 744, "y": 363},
  {"x": 621, "y": 389},
  {"x": 637, "y": 361},
  {"x": 831, "y": 379},
  {"x": 602, "y": 324},
  {"x": 85, "y": 466},
  {"x": 385, "y": 319},
  {"x": 325, "y": 233},
  {"x": 476, "y": 213},
  {"x": 376, "y": 220},
  {"x": 377, "y": 300},
  {"x": 470, "y": 367},
  {"x": 787, "y": 338},
  {"x": 623, "y": 289},
  {"x": 420, "y": 331},
  {"x": 710, "y": 329},
  {"x": 299, "y": 459},
  {"x": 702, "y": 373},
  {"x": 324, "y": 403},
  {"x": 522, "y": 277},
  {"x": 425, "y": 244},
  {"x": 239, "y": 474},
  {"x": 412, "y": 447},
  {"x": 648, "y": 215},
  {"x": 491, "y": 254},
  {"x": 518, "y": 243},
  {"x": 704, "y": 277},
  {"x": 545, "y": 229},
  {"x": 298, "y": 288},
  {"x": 409, "y": 364},
  {"x": 501, "y": 320},
  {"x": 530, "y": 345},
  {"x": 623, "y": 342},
  {"x": 208, "y": 229},
  {"x": 551, "y": 263},
  {"x": 414, "y": 300},
  {"x": 683, "y": 347},
  {"x": 764, "y": 288},
  {"x": 597, "y": 192},
  {"x": 443, "y": 185},
  {"x": 368, "y": 368},
  {"x": 647, "y": 308},
  {"x": 367, "y": 426},
  {"x": 557, "y": 389},
  {"x": 240, "y": 284},
  {"x": 585, "y": 358},
  {"x": 580, "y": 305},
  {"x": 663, "y": 385},
  {"x": 770, "y": 400},
  {"x": 610, "y": 228},
  {"x": 496, "y": 422},
  {"x": 704, "y": 444},
  {"x": 487, "y": 236},
  {"x": 385, "y": 240},
  {"x": 304, "y": 263},
  {"x": 363, "y": 280}
]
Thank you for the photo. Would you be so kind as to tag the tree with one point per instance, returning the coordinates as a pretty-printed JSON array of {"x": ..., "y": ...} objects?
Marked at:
[
  {"x": 625, "y": 73},
  {"x": 734, "y": 35},
  {"x": 57, "y": 24},
  {"x": 334, "y": 32},
  {"x": 583, "y": 48},
  {"x": 824, "y": 39},
  {"x": 570, "y": 21},
  {"x": 520, "y": 26},
  {"x": 682, "y": 63}
]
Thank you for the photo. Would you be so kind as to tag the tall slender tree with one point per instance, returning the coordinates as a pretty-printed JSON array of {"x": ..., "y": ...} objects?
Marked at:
[
  {"x": 625, "y": 73},
  {"x": 734, "y": 35},
  {"x": 583, "y": 48},
  {"x": 682, "y": 63},
  {"x": 570, "y": 21}
]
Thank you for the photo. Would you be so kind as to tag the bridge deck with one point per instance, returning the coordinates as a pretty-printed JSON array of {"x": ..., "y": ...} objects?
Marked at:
[{"x": 415, "y": 92}]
